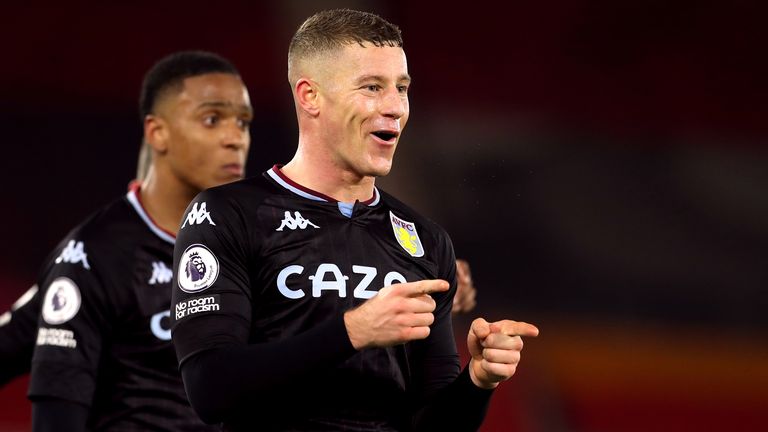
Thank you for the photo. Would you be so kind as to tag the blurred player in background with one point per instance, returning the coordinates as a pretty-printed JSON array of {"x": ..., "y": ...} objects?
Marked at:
[{"x": 103, "y": 358}]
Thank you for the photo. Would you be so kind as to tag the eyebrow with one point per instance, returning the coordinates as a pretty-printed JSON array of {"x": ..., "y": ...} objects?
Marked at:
[
  {"x": 379, "y": 78},
  {"x": 224, "y": 105}
]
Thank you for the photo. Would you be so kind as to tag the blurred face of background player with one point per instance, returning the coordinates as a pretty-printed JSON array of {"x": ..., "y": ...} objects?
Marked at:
[
  {"x": 200, "y": 131},
  {"x": 362, "y": 102}
]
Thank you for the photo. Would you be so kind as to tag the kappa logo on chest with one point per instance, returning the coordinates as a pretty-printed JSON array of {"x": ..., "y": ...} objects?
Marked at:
[
  {"x": 295, "y": 222},
  {"x": 160, "y": 273}
]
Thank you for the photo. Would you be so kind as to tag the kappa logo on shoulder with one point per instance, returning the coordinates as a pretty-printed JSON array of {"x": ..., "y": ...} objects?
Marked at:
[
  {"x": 160, "y": 273},
  {"x": 296, "y": 221},
  {"x": 74, "y": 253},
  {"x": 198, "y": 215}
]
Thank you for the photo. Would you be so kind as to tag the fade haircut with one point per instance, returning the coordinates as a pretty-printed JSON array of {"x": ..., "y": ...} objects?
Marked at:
[
  {"x": 332, "y": 29},
  {"x": 169, "y": 74}
]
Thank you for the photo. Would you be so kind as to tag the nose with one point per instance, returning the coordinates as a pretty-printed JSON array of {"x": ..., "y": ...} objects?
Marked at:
[
  {"x": 394, "y": 104},
  {"x": 235, "y": 137}
]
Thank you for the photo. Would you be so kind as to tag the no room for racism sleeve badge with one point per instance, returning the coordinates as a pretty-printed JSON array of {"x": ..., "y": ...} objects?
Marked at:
[
  {"x": 406, "y": 235},
  {"x": 198, "y": 269}
]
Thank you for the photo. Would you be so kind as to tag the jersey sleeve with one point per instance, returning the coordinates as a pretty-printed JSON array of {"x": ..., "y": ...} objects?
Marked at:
[
  {"x": 445, "y": 397},
  {"x": 71, "y": 327},
  {"x": 210, "y": 301},
  {"x": 18, "y": 327}
]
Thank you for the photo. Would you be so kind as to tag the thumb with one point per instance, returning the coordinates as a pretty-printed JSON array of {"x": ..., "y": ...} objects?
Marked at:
[{"x": 480, "y": 328}]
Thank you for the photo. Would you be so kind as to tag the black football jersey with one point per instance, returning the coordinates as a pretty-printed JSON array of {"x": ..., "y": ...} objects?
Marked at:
[
  {"x": 103, "y": 337},
  {"x": 264, "y": 260},
  {"x": 18, "y": 327}
]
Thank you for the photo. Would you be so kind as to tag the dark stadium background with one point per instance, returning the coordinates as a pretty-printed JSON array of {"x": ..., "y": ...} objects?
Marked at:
[{"x": 602, "y": 165}]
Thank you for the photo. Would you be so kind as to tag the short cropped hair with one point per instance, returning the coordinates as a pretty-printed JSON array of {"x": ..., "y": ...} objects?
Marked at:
[
  {"x": 333, "y": 29},
  {"x": 170, "y": 72}
]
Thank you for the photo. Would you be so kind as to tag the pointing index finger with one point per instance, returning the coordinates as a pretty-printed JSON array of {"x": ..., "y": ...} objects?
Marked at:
[
  {"x": 429, "y": 286},
  {"x": 517, "y": 328}
]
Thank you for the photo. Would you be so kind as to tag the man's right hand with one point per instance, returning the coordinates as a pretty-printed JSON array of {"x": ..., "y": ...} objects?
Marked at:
[{"x": 397, "y": 314}]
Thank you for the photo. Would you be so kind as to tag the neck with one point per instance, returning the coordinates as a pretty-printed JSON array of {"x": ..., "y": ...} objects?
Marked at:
[
  {"x": 316, "y": 171},
  {"x": 165, "y": 198}
]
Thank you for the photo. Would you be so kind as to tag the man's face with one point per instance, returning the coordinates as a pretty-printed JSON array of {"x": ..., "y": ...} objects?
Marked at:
[
  {"x": 207, "y": 130},
  {"x": 364, "y": 107}
]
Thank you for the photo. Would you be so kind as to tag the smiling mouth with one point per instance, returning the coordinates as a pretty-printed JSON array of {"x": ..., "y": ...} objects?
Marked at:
[{"x": 385, "y": 136}]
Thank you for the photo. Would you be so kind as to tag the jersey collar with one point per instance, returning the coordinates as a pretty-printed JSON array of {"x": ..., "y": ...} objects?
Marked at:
[
  {"x": 134, "y": 197},
  {"x": 278, "y": 176}
]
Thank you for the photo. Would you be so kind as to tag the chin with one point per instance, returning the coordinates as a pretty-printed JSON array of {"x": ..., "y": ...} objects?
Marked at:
[{"x": 380, "y": 169}]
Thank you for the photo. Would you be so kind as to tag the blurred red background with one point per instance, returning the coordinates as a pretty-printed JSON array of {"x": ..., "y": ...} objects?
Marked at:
[{"x": 601, "y": 165}]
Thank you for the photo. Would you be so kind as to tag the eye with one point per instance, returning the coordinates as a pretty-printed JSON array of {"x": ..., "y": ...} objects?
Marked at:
[
  {"x": 402, "y": 89},
  {"x": 372, "y": 87},
  {"x": 211, "y": 120},
  {"x": 243, "y": 123}
]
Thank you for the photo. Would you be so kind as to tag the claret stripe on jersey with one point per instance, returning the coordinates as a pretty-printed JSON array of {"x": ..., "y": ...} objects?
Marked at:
[
  {"x": 134, "y": 197},
  {"x": 277, "y": 175}
]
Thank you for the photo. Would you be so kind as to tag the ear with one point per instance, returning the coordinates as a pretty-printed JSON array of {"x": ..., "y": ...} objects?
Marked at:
[
  {"x": 156, "y": 133},
  {"x": 307, "y": 96}
]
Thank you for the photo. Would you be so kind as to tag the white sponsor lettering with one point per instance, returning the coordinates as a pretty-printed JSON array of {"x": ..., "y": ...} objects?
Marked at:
[
  {"x": 74, "y": 253},
  {"x": 393, "y": 277},
  {"x": 160, "y": 273},
  {"x": 368, "y": 274},
  {"x": 282, "y": 278},
  {"x": 197, "y": 305},
  {"x": 336, "y": 282},
  {"x": 198, "y": 215},
  {"x": 156, "y": 325},
  {"x": 56, "y": 337},
  {"x": 296, "y": 221}
]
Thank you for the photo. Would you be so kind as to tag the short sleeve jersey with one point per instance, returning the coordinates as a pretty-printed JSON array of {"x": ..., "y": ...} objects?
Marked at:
[
  {"x": 265, "y": 259},
  {"x": 103, "y": 337}
]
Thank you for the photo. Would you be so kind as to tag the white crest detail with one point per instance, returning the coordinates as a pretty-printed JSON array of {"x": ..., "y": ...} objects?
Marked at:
[
  {"x": 61, "y": 302},
  {"x": 74, "y": 253},
  {"x": 198, "y": 269},
  {"x": 296, "y": 221},
  {"x": 160, "y": 273},
  {"x": 198, "y": 215}
]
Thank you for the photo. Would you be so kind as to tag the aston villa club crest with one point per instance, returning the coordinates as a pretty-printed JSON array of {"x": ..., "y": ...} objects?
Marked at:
[
  {"x": 198, "y": 269},
  {"x": 406, "y": 235}
]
